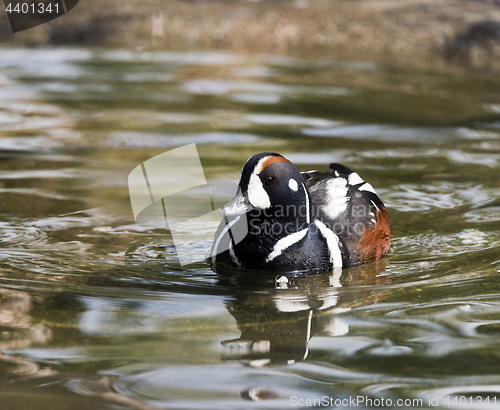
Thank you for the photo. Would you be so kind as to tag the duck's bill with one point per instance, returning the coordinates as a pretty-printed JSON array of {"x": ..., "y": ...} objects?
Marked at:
[{"x": 239, "y": 205}]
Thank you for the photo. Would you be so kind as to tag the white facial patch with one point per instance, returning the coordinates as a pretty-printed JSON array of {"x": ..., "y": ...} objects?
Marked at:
[
  {"x": 355, "y": 179},
  {"x": 293, "y": 184},
  {"x": 336, "y": 194},
  {"x": 257, "y": 195}
]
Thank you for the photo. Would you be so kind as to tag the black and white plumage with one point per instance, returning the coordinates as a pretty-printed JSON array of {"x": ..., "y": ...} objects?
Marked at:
[{"x": 282, "y": 220}]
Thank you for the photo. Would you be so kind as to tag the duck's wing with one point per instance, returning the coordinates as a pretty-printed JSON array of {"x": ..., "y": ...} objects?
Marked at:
[{"x": 351, "y": 208}]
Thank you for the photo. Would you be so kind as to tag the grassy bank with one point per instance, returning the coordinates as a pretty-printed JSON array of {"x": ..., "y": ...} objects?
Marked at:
[{"x": 410, "y": 32}]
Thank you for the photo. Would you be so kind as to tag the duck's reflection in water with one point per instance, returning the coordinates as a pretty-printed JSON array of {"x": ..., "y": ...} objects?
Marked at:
[{"x": 277, "y": 322}]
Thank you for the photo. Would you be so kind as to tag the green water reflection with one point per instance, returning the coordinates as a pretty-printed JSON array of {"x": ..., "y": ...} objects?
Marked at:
[{"x": 96, "y": 311}]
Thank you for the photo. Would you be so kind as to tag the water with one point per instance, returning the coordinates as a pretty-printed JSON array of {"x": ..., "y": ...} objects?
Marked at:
[{"x": 96, "y": 311}]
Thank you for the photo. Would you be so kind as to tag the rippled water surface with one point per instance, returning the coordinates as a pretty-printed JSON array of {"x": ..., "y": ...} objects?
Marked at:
[{"x": 97, "y": 313}]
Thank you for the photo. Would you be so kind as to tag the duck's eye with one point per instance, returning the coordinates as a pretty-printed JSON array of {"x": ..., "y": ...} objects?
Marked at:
[{"x": 269, "y": 181}]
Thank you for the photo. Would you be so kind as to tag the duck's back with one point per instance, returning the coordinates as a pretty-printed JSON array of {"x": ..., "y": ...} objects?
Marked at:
[{"x": 350, "y": 207}]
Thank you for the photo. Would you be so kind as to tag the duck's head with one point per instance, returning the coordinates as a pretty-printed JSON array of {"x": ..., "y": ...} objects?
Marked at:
[{"x": 272, "y": 184}]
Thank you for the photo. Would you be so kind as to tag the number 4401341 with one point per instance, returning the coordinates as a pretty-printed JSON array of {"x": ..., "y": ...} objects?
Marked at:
[
  {"x": 40, "y": 8},
  {"x": 460, "y": 401}
]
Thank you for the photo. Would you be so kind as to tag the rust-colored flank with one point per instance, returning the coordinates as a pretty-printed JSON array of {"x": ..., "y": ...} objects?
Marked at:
[{"x": 375, "y": 242}]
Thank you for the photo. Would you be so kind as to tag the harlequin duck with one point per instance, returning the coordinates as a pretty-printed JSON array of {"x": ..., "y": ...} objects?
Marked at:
[{"x": 284, "y": 221}]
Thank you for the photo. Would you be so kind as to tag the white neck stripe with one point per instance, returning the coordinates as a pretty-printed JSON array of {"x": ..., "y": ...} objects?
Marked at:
[
  {"x": 233, "y": 256},
  {"x": 332, "y": 241},
  {"x": 308, "y": 216},
  {"x": 224, "y": 231},
  {"x": 285, "y": 243}
]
